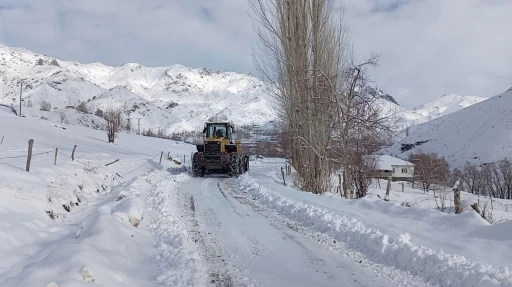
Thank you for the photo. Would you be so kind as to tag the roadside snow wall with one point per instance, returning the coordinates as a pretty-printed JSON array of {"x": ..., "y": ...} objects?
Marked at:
[{"x": 434, "y": 266}]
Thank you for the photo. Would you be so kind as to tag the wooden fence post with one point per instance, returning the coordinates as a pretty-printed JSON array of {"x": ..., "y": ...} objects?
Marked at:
[
  {"x": 73, "y": 153},
  {"x": 55, "y": 159},
  {"x": 112, "y": 162},
  {"x": 184, "y": 159},
  {"x": 456, "y": 191},
  {"x": 2, "y": 140},
  {"x": 161, "y": 155},
  {"x": 29, "y": 157},
  {"x": 169, "y": 155},
  {"x": 388, "y": 189},
  {"x": 282, "y": 172},
  {"x": 403, "y": 187}
]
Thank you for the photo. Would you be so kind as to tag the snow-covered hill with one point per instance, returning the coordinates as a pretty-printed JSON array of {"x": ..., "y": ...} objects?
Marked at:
[
  {"x": 479, "y": 133},
  {"x": 402, "y": 118},
  {"x": 445, "y": 105},
  {"x": 173, "y": 98}
]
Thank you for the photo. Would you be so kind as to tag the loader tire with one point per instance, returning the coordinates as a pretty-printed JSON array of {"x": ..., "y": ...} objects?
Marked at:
[
  {"x": 247, "y": 160},
  {"x": 197, "y": 171},
  {"x": 234, "y": 164},
  {"x": 241, "y": 163}
]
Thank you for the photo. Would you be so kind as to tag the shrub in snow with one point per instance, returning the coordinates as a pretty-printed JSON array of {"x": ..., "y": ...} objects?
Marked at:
[
  {"x": 98, "y": 113},
  {"x": 82, "y": 107},
  {"x": 62, "y": 116},
  {"x": 54, "y": 62},
  {"x": 45, "y": 106},
  {"x": 87, "y": 275}
]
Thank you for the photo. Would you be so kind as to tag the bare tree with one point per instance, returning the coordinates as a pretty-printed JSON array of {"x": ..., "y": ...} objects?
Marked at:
[
  {"x": 82, "y": 107},
  {"x": 114, "y": 118},
  {"x": 317, "y": 86},
  {"x": 160, "y": 134},
  {"x": 471, "y": 178},
  {"x": 362, "y": 164},
  {"x": 430, "y": 169}
]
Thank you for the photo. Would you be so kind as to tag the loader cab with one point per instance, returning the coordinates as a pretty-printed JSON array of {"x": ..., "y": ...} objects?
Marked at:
[{"x": 217, "y": 131}]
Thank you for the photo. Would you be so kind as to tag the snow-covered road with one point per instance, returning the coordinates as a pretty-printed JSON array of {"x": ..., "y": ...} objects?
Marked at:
[{"x": 244, "y": 245}]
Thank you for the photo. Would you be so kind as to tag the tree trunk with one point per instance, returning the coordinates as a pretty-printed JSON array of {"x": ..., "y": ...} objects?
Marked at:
[{"x": 346, "y": 181}]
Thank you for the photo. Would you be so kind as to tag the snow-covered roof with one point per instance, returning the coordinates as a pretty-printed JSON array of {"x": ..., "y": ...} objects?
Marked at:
[{"x": 386, "y": 162}]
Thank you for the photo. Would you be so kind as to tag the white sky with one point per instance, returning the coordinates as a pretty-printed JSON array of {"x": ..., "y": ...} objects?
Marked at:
[{"x": 428, "y": 47}]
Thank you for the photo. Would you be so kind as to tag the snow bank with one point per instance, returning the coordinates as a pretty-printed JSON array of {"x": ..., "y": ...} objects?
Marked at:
[
  {"x": 434, "y": 266},
  {"x": 179, "y": 260},
  {"x": 103, "y": 247}
]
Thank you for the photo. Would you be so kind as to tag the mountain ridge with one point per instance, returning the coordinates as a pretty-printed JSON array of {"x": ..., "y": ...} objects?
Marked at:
[
  {"x": 173, "y": 98},
  {"x": 479, "y": 133}
]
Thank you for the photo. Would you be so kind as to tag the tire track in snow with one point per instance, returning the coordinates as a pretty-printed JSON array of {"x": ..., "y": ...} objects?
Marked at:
[{"x": 221, "y": 270}]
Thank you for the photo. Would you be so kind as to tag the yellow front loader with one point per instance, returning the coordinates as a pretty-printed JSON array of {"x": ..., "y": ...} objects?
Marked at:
[{"x": 218, "y": 153}]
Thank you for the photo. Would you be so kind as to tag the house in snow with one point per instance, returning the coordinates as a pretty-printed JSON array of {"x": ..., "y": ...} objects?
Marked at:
[{"x": 397, "y": 168}]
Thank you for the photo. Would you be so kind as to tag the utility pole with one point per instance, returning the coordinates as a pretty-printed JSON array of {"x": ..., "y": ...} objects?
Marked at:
[
  {"x": 21, "y": 92},
  {"x": 138, "y": 129}
]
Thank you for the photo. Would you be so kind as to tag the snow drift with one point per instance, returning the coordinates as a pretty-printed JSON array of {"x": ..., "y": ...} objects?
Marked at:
[{"x": 434, "y": 266}]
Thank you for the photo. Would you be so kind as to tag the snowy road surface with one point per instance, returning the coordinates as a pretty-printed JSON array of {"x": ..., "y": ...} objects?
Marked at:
[{"x": 248, "y": 249}]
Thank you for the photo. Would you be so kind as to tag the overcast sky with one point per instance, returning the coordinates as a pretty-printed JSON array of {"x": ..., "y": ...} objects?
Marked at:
[{"x": 429, "y": 47}]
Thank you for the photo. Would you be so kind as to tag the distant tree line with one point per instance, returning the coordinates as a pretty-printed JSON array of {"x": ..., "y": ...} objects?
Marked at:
[{"x": 488, "y": 179}]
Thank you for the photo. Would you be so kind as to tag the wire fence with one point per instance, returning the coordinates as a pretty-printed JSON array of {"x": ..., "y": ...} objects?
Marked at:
[
  {"x": 29, "y": 155},
  {"x": 25, "y": 156}
]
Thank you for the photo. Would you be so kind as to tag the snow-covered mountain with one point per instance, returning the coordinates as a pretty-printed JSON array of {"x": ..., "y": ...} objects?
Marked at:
[
  {"x": 479, "y": 133},
  {"x": 173, "y": 98},
  {"x": 445, "y": 105},
  {"x": 403, "y": 118}
]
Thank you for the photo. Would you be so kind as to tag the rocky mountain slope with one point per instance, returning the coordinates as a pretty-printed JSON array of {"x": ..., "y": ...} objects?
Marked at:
[{"x": 173, "y": 98}]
